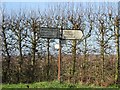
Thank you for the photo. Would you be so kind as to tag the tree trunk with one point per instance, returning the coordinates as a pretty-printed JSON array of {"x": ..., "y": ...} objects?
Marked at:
[
  {"x": 33, "y": 55},
  {"x": 117, "y": 77},
  {"x": 74, "y": 55},
  {"x": 85, "y": 59},
  {"x": 20, "y": 58},
  {"x": 8, "y": 57},
  {"x": 102, "y": 53}
]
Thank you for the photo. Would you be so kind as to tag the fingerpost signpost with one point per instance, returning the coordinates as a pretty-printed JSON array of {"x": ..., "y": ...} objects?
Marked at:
[{"x": 57, "y": 33}]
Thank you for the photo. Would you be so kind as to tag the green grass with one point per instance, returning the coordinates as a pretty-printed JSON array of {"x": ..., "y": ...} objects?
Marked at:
[{"x": 52, "y": 84}]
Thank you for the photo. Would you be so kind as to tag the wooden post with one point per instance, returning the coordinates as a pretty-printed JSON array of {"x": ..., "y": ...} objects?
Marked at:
[
  {"x": 48, "y": 61},
  {"x": 59, "y": 62},
  {"x": 59, "y": 58}
]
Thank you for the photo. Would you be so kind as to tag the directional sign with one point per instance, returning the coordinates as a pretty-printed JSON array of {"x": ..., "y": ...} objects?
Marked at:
[
  {"x": 52, "y": 33},
  {"x": 72, "y": 34}
]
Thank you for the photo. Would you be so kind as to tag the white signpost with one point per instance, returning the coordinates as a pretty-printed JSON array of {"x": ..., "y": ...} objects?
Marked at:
[{"x": 72, "y": 34}]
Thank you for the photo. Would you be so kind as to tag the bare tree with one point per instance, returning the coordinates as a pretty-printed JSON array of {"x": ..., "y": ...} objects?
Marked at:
[
  {"x": 18, "y": 26},
  {"x": 34, "y": 25},
  {"x": 103, "y": 37},
  {"x": 6, "y": 45},
  {"x": 116, "y": 27}
]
